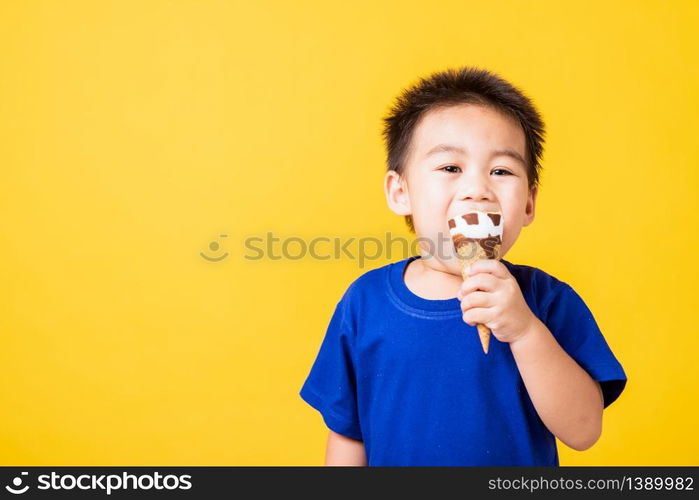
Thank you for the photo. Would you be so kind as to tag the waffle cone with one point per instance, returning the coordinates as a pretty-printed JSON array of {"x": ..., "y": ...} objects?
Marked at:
[{"x": 470, "y": 252}]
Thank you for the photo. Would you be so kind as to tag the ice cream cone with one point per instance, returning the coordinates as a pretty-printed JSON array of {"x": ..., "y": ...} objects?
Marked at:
[{"x": 477, "y": 235}]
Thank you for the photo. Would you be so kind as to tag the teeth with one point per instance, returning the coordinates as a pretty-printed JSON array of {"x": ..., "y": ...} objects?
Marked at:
[{"x": 477, "y": 224}]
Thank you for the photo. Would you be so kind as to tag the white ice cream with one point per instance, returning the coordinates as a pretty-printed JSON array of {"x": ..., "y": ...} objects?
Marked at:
[{"x": 483, "y": 229}]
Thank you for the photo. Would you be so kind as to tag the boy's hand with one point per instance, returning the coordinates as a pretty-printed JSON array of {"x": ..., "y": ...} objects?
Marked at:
[{"x": 491, "y": 296}]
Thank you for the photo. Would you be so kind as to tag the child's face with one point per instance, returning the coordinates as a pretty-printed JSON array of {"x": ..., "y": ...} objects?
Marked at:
[{"x": 436, "y": 187}]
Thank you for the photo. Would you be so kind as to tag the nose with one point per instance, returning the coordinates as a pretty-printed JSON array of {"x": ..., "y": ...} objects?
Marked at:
[{"x": 474, "y": 186}]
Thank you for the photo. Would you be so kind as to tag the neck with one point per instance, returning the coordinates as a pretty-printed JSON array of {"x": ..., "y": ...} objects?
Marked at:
[{"x": 429, "y": 279}]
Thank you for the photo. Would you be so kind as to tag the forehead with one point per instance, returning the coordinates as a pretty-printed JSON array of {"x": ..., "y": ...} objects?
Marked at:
[{"x": 473, "y": 127}]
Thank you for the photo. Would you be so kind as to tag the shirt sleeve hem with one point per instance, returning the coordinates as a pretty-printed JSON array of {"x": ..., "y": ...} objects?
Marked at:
[
  {"x": 335, "y": 422},
  {"x": 612, "y": 380}
]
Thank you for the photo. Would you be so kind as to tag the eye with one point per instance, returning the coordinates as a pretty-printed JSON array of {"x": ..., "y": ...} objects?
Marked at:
[
  {"x": 453, "y": 169},
  {"x": 505, "y": 172}
]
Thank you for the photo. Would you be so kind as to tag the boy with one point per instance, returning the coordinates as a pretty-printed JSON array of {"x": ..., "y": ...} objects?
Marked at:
[{"x": 400, "y": 377}]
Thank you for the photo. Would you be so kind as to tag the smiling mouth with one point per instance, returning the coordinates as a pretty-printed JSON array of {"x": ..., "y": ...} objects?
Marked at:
[
  {"x": 17, "y": 492},
  {"x": 214, "y": 259}
]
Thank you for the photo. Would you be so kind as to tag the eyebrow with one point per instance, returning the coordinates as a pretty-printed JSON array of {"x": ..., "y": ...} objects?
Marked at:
[{"x": 450, "y": 148}]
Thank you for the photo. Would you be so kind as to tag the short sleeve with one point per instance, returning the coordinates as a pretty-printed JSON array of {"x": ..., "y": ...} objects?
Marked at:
[
  {"x": 572, "y": 324},
  {"x": 331, "y": 385}
]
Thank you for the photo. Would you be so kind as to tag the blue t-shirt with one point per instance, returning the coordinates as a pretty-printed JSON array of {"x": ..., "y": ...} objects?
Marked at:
[{"x": 408, "y": 377}]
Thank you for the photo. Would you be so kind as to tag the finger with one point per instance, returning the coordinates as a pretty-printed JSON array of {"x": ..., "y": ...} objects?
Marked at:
[
  {"x": 476, "y": 299},
  {"x": 491, "y": 266},
  {"x": 475, "y": 316},
  {"x": 482, "y": 281}
]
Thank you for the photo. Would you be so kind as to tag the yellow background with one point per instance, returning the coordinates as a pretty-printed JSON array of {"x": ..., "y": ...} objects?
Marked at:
[{"x": 134, "y": 133}]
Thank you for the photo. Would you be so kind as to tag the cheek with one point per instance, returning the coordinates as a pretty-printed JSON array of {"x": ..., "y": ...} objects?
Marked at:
[
  {"x": 513, "y": 203},
  {"x": 513, "y": 218},
  {"x": 513, "y": 211},
  {"x": 430, "y": 197}
]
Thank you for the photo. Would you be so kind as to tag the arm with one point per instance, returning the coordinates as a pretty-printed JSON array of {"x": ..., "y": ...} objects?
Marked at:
[
  {"x": 567, "y": 399},
  {"x": 342, "y": 450}
]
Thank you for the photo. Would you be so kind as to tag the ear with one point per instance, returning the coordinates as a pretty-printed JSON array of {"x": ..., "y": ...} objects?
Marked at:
[
  {"x": 396, "y": 189},
  {"x": 531, "y": 205}
]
